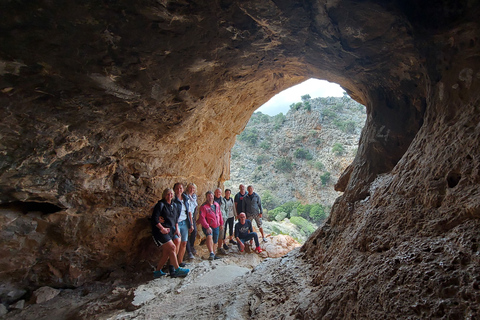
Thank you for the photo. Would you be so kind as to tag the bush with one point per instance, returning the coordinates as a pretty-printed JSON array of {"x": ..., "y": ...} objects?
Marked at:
[
  {"x": 338, "y": 149},
  {"x": 261, "y": 158},
  {"x": 269, "y": 201},
  {"x": 307, "y": 106},
  {"x": 346, "y": 126},
  {"x": 303, "y": 210},
  {"x": 249, "y": 136},
  {"x": 319, "y": 165},
  {"x": 279, "y": 119},
  {"x": 265, "y": 145},
  {"x": 317, "y": 213},
  {"x": 325, "y": 178},
  {"x": 329, "y": 113},
  {"x": 296, "y": 106},
  {"x": 283, "y": 165},
  {"x": 301, "y": 153},
  {"x": 305, "y": 97},
  {"x": 306, "y": 227},
  {"x": 282, "y": 215}
]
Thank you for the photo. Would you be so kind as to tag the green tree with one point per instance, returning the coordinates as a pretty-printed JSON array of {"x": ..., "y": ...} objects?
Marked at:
[
  {"x": 269, "y": 201},
  {"x": 317, "y": 213},
  {"x": 305, "y": 227},
  {"x": 305, "y": 97}
]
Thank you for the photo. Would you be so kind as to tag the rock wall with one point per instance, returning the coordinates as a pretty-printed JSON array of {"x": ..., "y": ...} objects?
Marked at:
[{"x": 105, "y": 104}]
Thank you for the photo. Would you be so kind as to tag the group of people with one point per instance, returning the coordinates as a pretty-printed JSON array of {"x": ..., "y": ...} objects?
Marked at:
[{"x": 174, "y": 224}]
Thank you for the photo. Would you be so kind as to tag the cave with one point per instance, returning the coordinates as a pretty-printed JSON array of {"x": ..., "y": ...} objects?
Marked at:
[{"x": 104, "y": 103}]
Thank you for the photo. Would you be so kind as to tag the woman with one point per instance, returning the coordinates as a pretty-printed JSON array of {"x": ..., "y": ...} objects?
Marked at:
[
  {"x": 211, "y": 220},
  {"x": 192, "y": 205},
  {"x": 164, "y": 228},
  {"x": 185, "y": 224}
]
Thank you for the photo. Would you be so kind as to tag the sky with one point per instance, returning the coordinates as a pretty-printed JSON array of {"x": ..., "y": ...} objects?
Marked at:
[{"x": 314, "y": 87}]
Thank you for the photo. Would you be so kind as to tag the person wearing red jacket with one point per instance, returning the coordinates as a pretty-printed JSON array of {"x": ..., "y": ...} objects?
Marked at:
[{"x": 212, "y": 221}]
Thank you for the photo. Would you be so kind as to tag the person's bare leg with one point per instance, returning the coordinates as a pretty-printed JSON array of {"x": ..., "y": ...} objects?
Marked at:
[
  {"x": 176, "y": 242},
  {"x": 181, "y": 251},
  {"x": 167, "y": 250},
  {"x": 261, "y": 231},
  {"x": 209, "y": 243}
]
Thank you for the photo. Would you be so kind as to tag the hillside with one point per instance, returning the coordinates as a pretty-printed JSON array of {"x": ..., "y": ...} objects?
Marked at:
[{"x": 298, "y": 156}]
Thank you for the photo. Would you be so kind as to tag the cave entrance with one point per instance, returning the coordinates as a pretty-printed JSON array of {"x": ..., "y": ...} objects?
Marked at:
[{"x": 293, "y": 150}]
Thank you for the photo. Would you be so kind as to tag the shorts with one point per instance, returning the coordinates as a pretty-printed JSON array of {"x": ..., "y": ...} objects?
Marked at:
[
  {"x": 183, "y": 230},
  {"x": 214, "y": 234},
  {"x": 161, "y": 239},
  {"x": 257, "y": 219}
]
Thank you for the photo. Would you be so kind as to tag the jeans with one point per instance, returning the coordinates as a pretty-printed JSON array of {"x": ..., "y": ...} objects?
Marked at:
[{"x": 250, "y": 236}]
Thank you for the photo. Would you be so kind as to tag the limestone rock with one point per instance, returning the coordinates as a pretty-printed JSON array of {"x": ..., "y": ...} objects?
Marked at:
[
  {"x": 44, "y": 294},
  {"x": 280, "y": 245}
]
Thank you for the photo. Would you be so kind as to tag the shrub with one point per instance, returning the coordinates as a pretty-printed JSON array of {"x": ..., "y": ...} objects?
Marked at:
[
  {"x": 307, "y": 106},
  {"x": 261, "y": 158},
  {"x": 338, "y": 149},
  {"x": 317, "y": 213},
  {"x": 319, "y": 165},
  {"x": 265, "y": 145},
  {"x": 325, "y": 178},
  {"x": 306, "y": 227},
  {"x": 269, "y": 201},
  {"x": 249, "y": 136},
  {"x": 282, "y": 215},
  {"x": 301, "y": 153},
  {"x": 296, "y": 106},
  {"x": 346, "y": 126},
  {"x": 303, "y": 210},
  {"x": 305, "y": 97},
  {"x": 329, "y": 113},
  {"x": 283, "y": 165}
]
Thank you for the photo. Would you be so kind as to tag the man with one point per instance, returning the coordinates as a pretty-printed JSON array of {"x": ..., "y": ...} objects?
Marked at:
[
  {"x": 185, "y": 221},
  {"x": 239, "y": 199},
  {"x": 222, "y": 246},
  {"x": 244, "y": 232},
  {"x": 253, "y": 209}
]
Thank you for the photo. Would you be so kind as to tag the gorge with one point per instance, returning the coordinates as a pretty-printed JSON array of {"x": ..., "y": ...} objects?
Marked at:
[{"x": 106, "y": 103}]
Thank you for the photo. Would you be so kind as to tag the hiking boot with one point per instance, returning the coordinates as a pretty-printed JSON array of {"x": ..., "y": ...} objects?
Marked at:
[
  {"x": 233, "y": 242},
  {"x": 191, "y": 256},
  {"x": 181, "y": 272},
  {"x": 225, "y": 246},
  {"x": 216, "y": 258},
  {"x": 221, "y": 251},
  {"x": 265, "y": 240},
  {"x": 212, "y": 256},
  {"x": 183, "y": 264},
  {"x": 158, "y": 274}
]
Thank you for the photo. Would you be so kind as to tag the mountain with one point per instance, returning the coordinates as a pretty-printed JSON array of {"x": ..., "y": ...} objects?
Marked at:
[{"x": 298, "y": 156}]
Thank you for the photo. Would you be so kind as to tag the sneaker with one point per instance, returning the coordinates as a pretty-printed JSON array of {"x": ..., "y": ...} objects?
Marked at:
[
  {"x": 181, "y": 272},
  {"x": 225, "y": 246},
  {"x": 222, "y": 251},
  {"x": 212, "y": 256},
  {"x": 233, "y": 241},
  {"x": 183, "y": 264},
  {"x": 216, "y": 258},
  {"x": 191, "y": 256},
  {"x": 158, "y": 274},
  {"x": 258, "y": 249},
  {"x": 265, "y": 240}
]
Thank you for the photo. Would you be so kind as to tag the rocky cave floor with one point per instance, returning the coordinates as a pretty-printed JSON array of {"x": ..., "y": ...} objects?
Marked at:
[{"x": 221, "y": 289}]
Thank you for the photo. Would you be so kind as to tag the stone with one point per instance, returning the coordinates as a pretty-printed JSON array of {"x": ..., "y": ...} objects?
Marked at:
[
  {"x": 44, "y": 294},
  {"x": 19, "y": 305},
  {"x": 3, "y": 310}
]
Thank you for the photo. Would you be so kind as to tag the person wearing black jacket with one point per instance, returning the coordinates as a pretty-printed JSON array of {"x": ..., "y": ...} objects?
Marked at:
[{"x": 166, "y": 234}]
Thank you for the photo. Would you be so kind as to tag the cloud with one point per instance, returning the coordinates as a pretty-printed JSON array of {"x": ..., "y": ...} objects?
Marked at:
[{"x": 314, "y": 87}]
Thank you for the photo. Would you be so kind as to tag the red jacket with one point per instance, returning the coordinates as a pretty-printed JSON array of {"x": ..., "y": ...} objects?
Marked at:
[{"x": 208, "y": 218}]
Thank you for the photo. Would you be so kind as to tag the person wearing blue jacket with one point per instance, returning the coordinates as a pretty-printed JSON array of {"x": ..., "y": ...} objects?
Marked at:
[{"x": 185, "y": 221}]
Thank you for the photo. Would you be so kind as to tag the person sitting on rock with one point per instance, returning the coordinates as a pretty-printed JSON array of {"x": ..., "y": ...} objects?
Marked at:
[
  {"x": 244, "y": 232},
  {"x": 164, "y": 229},
  {"x": 211, "y": 220}
]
